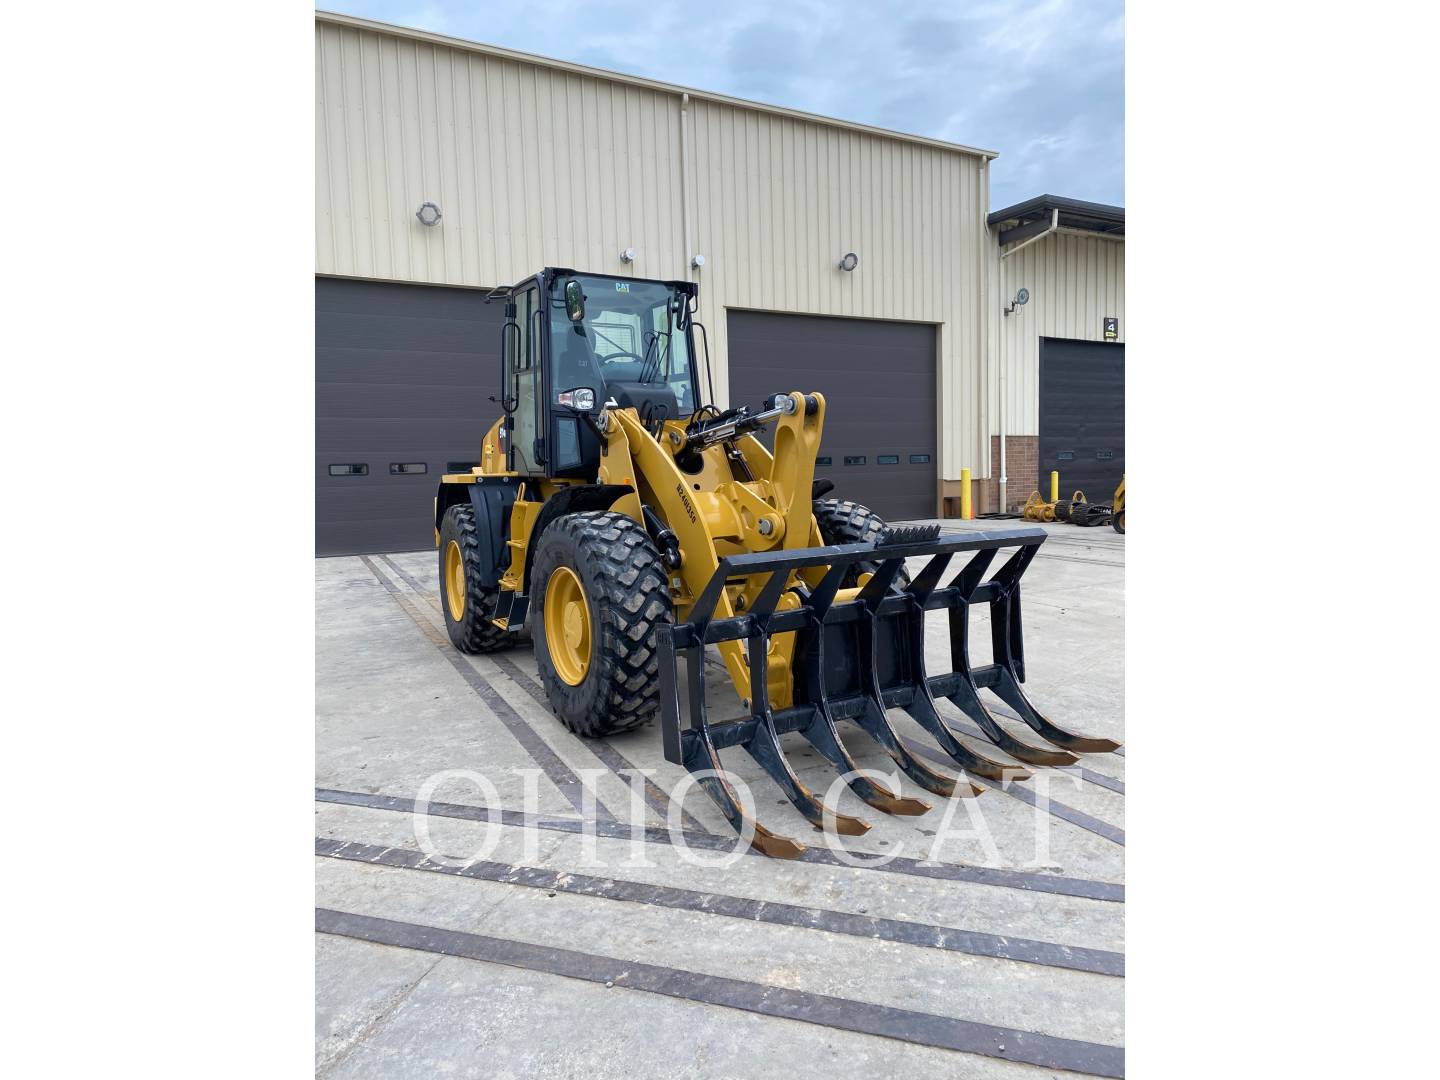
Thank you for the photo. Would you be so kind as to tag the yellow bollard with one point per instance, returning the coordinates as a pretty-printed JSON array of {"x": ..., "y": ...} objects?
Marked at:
[
  {"x": 967, "y": 507},
  {"x": 1054, "y": 487}
]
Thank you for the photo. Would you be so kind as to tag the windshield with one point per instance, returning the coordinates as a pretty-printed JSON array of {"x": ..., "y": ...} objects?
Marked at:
[{"x": 629, "y": 334}]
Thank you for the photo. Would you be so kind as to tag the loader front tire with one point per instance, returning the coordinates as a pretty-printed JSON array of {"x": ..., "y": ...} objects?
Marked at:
[
  {"x": 466, "y": 603},
  {"x": 844, "y": 522},
  {"x": 599, "y": 594}
]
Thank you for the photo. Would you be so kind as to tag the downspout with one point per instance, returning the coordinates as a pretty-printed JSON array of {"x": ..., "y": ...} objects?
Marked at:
[
  {"x": 988, "y": 341},
  {"x": 685, "y": 187},
  {"x": 1004, "y": 399},
  {"x": 1054, "y": 225}
]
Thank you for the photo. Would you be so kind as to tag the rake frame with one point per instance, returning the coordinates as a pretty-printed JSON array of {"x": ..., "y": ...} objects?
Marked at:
[{"x": 878, "y": 638}]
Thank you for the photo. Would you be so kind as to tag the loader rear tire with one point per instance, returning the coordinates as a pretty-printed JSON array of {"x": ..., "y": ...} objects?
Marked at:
[
  {"x": 844, "y": 522},
  {"x": 595, "y": 638},
  {"x": 466, "y": 603}
]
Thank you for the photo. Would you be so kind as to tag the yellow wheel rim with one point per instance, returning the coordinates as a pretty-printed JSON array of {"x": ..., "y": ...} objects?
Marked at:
[
  {"x": 455, "y": 580},
  {"x": 567, "y": 625}
]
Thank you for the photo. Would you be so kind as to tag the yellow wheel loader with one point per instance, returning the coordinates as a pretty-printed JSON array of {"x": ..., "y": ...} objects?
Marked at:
[{"x": 627, "y": 523}]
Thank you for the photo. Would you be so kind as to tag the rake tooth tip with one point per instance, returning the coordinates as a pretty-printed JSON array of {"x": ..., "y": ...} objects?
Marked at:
[
  {"x": 775, "y": 845},
  {"x": 907, "y": 807},
  {"x": 845, "y": 824}
]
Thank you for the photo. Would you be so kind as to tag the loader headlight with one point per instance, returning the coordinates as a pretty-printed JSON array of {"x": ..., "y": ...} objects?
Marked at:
[{"x": 582, "y": 399}]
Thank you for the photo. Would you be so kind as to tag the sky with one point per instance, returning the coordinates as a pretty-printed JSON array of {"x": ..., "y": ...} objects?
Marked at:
[{"x": 1043, "y": 83}]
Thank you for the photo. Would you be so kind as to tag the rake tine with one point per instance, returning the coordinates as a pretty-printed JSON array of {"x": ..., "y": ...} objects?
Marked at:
[
  {"x": 967, "y": 699},
  {"x": 922, "y": 706},
  {"x": 765, "y": 749},
  {"x": 874, "y": 724},
  {"x": 705, "y": 758},
  {"x": 966, "y": 694},
  {"x": 1008, "y": 672},
  {"x": 873, "y": 719},
  {"x": 922, "y": 709},
  {"x": 695, "y": 749},
  {"x": 764, "y": 743},
  {"x": 822, "y": 735},
  {"x": 1008, "y": 691},
  {"x": 820, "y": 731}
]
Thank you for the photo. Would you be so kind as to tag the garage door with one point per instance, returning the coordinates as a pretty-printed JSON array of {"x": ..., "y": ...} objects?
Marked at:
[
  {"x": 878, "y": 379},
  {"x": 1082, "y": 416},
  {"x": 403, "y": 374}
]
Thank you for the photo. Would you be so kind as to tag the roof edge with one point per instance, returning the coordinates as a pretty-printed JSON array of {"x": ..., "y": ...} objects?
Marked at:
[
  {"x": 356, "y": 22},
  {"x": 1103, "y": 212}
]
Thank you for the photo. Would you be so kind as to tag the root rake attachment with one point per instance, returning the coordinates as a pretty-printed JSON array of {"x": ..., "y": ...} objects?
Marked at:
[{"x": 855, "y": 658}]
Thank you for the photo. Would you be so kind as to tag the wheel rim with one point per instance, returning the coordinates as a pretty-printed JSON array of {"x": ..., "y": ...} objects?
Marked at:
[
  {"x": 455, "y": 580},
  {"x": 567, "y": 625}
]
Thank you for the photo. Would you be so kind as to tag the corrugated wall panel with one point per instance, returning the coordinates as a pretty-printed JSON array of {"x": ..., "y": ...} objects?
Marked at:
[
  {"x": 1075, "y": 281},
  {"x": 534, "y": 165},
  {"x": 779, "y": 201},
  {"x": 530, "y": 166}
]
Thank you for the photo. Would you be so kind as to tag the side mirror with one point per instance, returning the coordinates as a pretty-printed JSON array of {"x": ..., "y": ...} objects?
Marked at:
[{"x": 574, "y": 301}]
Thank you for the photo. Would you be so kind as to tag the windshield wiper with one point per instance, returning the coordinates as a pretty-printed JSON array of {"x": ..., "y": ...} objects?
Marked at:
[{"x": 651, "y": 368}]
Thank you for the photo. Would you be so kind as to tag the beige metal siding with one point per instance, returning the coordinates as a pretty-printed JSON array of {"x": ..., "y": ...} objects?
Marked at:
[
  {"x": 778, "y": 202},
  {"x": 530, "y": 167},
  {"x": 1075, "y": 280},
  {"x": 537, "y": 163}
]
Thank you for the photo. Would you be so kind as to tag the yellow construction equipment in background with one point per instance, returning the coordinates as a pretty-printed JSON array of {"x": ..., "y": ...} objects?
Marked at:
[
  {"x": 1037, "y": 509},
  {"x": 1077, "y": 510}
]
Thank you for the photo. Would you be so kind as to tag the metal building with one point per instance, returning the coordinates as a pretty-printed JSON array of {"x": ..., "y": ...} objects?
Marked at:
[
  {"x": 1058, "y": 401},
  {"x": 445, "y": 168}
]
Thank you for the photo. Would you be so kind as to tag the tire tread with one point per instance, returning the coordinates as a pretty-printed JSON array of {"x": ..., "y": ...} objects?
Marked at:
[
  {"x": 844, "y": 521},
  {"x": 631, "y": 601},
  {"x": 475, "y": 633}
]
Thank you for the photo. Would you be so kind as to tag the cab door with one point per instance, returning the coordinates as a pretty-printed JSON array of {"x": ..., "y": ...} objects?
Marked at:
[{"x": 526, "y": 450}]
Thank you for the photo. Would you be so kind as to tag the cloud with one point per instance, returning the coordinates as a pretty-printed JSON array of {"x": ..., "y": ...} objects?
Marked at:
[{"x": 1042, "y": 82}]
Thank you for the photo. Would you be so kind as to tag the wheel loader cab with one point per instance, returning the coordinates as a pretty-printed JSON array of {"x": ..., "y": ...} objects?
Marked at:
[{"x": 573, "y": 343}]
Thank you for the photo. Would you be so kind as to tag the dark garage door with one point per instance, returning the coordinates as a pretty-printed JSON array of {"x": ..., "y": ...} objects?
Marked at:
[
  {"x": 878, "y": 379},
  {"x": 1082, "y": 416},
  {"x": 403, "y": 374}
]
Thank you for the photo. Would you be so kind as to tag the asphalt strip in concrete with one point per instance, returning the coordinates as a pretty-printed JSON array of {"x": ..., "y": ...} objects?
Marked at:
[
  {"x": 982, "y": 875},
  {"x": 540, "y": 752},
  {"x": 925, "y": 935},
  {"x": 925, "y": 1029}
]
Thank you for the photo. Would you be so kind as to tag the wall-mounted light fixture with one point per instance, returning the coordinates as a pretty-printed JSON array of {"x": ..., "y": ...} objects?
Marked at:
[
  {"x": 1021, "y": 299},
  {"x": 429, "y": 214},
  {"x": 629, "y": 255},
  {"x": 849, "y": 262},
  {"x": 697, "y": 261}
]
